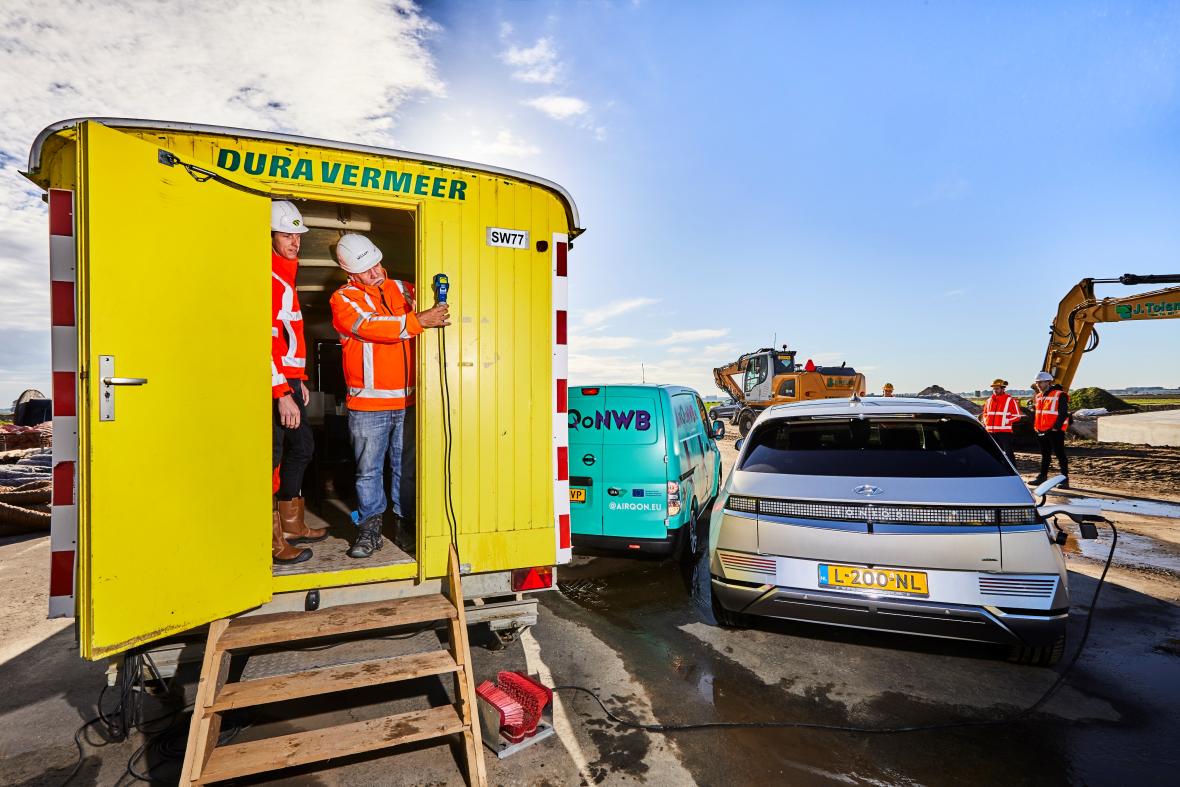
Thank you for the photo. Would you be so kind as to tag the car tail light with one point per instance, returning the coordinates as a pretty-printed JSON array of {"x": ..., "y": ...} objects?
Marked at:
[
  {"x": 673, "y": 498},
  {"x": 535, "y": 578},
  {"x": 589, "y": 392}
]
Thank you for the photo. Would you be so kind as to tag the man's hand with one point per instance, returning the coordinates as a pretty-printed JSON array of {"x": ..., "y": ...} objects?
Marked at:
[
  {"x": 289, "y": 412},
  {"x": 306, "y": 393},
  {"x": 435, "y": 317}
]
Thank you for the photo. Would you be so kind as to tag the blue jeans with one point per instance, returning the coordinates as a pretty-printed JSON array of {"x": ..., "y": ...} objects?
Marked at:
[{"x": 375, "y": 435}]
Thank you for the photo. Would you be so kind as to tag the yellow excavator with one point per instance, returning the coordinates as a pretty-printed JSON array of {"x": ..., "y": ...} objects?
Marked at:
[
  {"x": 1072, "y": 332},
  {"x": 770, "y": 377}
]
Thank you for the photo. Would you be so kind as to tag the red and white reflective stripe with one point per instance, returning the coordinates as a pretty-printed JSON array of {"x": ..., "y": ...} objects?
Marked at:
[
  {"x": 561, "y": 464},
  {"x": 63, "y": 529}
]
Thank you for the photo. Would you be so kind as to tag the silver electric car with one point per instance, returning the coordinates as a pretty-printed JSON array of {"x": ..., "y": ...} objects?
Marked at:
[{"x": 892, "y": 514}]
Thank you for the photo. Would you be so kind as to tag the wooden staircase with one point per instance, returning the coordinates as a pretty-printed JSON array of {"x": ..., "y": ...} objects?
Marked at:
[{"x": 206, "y": 762}]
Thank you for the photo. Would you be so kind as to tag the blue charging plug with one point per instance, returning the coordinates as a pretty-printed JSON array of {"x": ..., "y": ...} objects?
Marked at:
[{"x": 441, "y": 286}]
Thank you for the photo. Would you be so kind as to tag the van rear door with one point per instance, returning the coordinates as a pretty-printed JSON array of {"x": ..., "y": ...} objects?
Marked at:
[
  {"x": 174, "y": 479},
  {"x": 635, "y": 470},
  {"x": 585, "y": 461}
]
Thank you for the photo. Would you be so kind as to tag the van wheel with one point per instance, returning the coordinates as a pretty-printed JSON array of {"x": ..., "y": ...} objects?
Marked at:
[
  {"x": 1038, "y": 656},
  {"x": 745, "y": 420},
  {"x": 688, "y": 540}
]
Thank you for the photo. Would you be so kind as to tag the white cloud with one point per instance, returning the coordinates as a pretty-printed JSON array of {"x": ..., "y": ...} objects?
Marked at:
[
  {"x": 696, "y": 335},
  {"x": 560, "y": 107},
  {"x": 604, "y": 313},
  {"x": 341, "y": 70},
  {"x": 580, "y": 343},
  {"x": 506, "y": 145},
  {"x": 715, "y": 350},
  {"x": 537, "y": 64}
]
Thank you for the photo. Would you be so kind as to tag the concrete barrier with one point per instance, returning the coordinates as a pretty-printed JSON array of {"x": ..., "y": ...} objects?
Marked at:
[{"x": 1161, "y": 427}]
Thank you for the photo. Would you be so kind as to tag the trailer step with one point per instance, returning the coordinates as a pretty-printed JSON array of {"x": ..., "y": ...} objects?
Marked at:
[
  {"x": 268, "y": 754},
  {"x": 331, "y": 679},
  {"x": 258, "y": 630},
  {"x": 205, "y": 762}
]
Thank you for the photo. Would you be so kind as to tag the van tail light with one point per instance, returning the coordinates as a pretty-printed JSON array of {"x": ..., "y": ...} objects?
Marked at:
[
  {"x": 589, "y": 392},
  {"x": 673, "y": 498},
  {"x": 535, "y": 578}
]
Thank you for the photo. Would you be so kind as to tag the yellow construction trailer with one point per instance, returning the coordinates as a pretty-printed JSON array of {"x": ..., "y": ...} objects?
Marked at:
[{"x": 160, "y": 283}]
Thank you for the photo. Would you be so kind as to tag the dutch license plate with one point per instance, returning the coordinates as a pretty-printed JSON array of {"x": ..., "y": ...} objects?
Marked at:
[
  {"x": 881, "y": 579},
  {"x": 577, "y": 495}
]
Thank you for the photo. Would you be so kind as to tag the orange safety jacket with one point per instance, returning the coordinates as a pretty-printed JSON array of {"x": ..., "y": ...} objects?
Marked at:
[
  {"x": 1000, "y": 413},
  {"x": 1051, "y": 410},
  {"x": 376, "y": 327},
  {"x": 288, "y": 353}
]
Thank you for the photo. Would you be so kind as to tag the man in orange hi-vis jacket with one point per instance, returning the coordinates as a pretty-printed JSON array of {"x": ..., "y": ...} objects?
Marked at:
[
  {"x": 375, "y": 318},
  {"x": 1051, "y": 421},
  {"x": 1000, "y": 414},
  {"x": 292, "y": 440}
]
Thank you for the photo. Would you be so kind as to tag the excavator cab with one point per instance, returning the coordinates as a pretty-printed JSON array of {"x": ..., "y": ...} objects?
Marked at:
[
  {"x": 767, "y": 377},
  {"x": 761, "y": 369}
]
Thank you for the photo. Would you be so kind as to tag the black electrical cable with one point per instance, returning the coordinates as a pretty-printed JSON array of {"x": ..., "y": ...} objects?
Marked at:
[
  {"x": 202, "y": 175},
  {"x": 448, "y": 440},
  {"x": 948, "y": 725}
]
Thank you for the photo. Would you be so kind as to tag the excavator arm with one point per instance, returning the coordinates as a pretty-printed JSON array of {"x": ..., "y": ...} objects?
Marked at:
[
  {"x": 723, "y": 376},
  {"x": 1072, "y": 332}
]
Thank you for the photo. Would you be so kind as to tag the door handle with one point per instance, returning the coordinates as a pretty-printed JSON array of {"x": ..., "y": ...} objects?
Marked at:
[{"x": 108, "y": 380}]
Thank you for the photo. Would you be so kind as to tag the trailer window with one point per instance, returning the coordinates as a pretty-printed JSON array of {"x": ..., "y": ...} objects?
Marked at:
[{"x": 934, "y": 448}]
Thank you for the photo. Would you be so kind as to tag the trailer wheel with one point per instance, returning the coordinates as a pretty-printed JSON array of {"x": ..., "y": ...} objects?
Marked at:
[
  {"x": 502, "y": 638},
  {"x": 745, "y": 420}
]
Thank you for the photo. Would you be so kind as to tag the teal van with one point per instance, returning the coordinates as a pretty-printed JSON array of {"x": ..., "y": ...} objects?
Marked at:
[{"x": 643, "y": 462}]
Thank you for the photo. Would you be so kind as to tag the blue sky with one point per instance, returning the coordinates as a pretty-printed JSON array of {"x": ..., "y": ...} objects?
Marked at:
[{"x": 907, "y": 187}]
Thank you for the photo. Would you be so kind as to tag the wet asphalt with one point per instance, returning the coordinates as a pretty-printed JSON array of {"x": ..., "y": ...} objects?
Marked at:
[{"x": 1113, "y": 721}]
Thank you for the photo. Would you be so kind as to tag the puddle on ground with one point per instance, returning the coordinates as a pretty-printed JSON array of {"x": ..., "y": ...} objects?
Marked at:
[{"x": 1133, "y": 550}]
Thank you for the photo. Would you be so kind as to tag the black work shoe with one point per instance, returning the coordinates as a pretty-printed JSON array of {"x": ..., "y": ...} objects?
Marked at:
[
  {"x": 1037, "y": 481},
  {"x": 1064, "y": 484},
  {"x": 369, "y": 538}
]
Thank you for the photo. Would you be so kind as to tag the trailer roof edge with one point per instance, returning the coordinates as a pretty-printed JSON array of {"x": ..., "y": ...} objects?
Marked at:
[{"x": 50, "y": 130}]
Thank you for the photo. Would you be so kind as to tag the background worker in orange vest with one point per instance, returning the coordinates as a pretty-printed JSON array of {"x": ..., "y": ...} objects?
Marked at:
[
  {"x": 292, "y": 444},
  {"x": 999, "y": 416},
  {"x": 375, "y": 318},
  {"x": 1051, "y": 420}
]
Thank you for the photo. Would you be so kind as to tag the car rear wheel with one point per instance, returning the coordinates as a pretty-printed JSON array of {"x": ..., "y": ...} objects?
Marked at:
[
  {"x": 745, "y": 420},
  {"x": 1038, "y": 655},
  {"x": 705, "y": 600}
]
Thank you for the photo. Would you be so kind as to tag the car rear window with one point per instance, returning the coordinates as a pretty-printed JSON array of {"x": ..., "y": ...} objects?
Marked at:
[{"x": 926, "y": 448}]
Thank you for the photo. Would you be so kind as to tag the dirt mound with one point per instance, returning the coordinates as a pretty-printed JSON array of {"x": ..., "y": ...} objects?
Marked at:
[
  {"x": 938, "y": 392},
  {"x": 1084, "y": 398}
]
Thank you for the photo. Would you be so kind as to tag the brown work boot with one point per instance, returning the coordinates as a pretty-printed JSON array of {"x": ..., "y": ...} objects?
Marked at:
[
  {"x": 280, "y": 551},
  {"x": 295, "y": 530}
]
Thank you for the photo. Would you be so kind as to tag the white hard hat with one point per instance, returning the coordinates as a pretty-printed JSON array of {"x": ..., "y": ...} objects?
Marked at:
[
  {"x": 1044, "y": 377},
  {"x": 356, "y": 253},
  {"x": 285, "y": 217}
]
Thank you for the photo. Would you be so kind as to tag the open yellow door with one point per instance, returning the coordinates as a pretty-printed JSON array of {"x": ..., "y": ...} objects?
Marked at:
[{"x": 174, "y": 477}]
